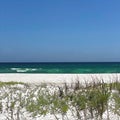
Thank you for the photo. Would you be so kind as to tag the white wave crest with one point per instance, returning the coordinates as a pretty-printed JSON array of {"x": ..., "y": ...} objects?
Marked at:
[{"x": 23, "y": 69}]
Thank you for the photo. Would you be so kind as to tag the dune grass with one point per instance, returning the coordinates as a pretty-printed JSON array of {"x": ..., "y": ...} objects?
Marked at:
[
  {"x": 82, "y": 102},
  {"x": 9, "y": 83}
]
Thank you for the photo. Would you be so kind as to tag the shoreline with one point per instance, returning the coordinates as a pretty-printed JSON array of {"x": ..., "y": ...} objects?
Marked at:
[{"x": 58, "y": 78}]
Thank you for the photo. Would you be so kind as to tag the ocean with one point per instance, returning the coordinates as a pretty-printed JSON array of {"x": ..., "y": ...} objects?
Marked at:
[{"x": 60, "y": 67}]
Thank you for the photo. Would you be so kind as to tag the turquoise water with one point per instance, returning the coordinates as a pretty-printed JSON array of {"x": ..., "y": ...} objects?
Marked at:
[{"x": 82, "y": 67}]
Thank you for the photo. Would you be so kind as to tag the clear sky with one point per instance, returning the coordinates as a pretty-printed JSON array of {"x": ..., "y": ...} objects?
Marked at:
[{"x": 59, "y": 30}]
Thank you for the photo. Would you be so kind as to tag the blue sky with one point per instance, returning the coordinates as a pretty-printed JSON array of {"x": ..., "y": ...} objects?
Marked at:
[{"x": 59, "y": 30}]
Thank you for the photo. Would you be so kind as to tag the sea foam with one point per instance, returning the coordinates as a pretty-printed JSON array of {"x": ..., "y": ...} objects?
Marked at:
[{"x": 23, "y": 69}]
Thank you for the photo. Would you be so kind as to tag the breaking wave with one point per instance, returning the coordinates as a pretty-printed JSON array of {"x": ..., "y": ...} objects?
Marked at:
[{"x": 23, "y": 69}]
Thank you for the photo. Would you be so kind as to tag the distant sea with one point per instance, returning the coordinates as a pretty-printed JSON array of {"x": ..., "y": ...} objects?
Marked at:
[{"x": 55, "y": 67}]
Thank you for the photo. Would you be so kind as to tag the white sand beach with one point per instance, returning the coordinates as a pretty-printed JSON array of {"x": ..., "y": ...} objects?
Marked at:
[
  {"x": 57, "y": 78},
  {"x": 53, "y": 78}
]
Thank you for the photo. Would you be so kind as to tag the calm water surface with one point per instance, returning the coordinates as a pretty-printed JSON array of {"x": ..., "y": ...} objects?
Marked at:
[{"x": 81, "y": 67}]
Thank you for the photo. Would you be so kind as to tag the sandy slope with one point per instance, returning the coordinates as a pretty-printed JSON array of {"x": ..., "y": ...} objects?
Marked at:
[{"x": 58, "y": 78}]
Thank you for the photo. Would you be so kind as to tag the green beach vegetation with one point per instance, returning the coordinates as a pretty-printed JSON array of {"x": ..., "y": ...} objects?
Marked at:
[{"x": 95, "y": 101}]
